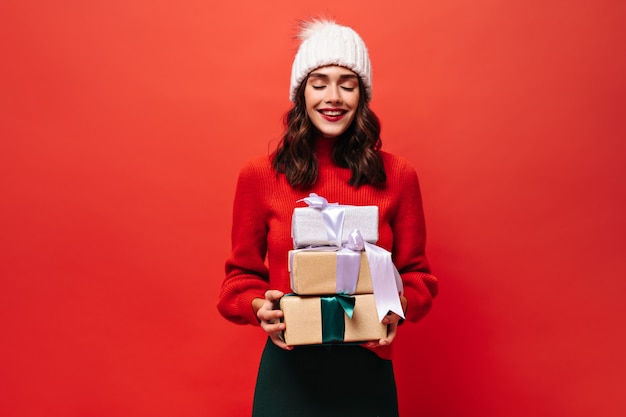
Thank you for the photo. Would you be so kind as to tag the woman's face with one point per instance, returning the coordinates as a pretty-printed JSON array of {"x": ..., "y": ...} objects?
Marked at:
[{"x": 332, "y": 97}]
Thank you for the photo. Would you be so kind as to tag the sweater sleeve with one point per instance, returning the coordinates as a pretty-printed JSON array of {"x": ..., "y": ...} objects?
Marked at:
[
  {"x": 247, "y": 275},
  {"x": 409, "y": 242}
]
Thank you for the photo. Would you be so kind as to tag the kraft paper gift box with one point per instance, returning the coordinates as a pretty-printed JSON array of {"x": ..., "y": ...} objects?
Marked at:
[
  {"x": 307, "y": 322},
  {"x": 308, "y": 227},
  {"x": 315, "y": 272}
]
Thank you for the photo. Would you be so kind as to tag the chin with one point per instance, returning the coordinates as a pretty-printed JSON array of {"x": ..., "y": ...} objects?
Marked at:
[{"x": 332, "y": 133}]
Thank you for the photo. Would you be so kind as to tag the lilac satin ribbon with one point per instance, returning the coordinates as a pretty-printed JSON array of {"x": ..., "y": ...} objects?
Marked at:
[
  {"x": 332, "y": 214},
  {"x": 348, "y": 266},
  {"x": 386, "y": 281},
  {"x": 316, "y": 201}
]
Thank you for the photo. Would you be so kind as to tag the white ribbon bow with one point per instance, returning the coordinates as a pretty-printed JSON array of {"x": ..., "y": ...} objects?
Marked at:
[{"x": 386, "y": 280}]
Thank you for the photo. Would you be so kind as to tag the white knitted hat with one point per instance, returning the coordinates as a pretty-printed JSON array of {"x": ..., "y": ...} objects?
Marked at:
[{"x": 324, "y": 42}]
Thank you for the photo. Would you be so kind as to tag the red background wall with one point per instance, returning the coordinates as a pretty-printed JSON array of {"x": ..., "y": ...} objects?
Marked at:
[{"x": 123, "y": 125}]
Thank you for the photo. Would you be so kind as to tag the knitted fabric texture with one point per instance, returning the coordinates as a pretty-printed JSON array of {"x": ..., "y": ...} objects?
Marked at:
[
  {"x": 324, "y": 42},
  {"x": 261, "y": 234}
]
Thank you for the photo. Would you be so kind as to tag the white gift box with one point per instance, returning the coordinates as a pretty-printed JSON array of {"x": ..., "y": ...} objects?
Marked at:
[{"x": 311, "y": 228}]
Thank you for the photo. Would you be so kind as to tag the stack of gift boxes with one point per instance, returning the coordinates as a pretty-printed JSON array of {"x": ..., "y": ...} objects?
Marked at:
[{"x": 332, "y": 299}]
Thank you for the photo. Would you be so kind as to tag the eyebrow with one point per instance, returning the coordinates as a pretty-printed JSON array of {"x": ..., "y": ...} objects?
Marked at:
[{"x": 342, "y": 76}]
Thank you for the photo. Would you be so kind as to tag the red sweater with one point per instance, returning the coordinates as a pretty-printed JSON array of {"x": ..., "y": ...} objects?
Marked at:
[{"x": 261, "y": 233}]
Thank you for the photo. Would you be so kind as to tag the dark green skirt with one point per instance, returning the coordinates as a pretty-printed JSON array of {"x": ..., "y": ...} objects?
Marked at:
[{"x": 324, "y": 381}]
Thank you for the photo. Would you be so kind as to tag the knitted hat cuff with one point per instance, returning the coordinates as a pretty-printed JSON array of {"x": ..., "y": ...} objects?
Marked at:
[{"x": 325, "y": 43}]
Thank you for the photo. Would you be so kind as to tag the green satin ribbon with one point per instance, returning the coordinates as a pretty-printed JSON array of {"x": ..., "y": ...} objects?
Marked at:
[{"x": 333, "y": 321}]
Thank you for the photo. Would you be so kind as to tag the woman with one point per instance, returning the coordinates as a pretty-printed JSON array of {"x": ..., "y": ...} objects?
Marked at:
[{"x": 331, "y": 147}]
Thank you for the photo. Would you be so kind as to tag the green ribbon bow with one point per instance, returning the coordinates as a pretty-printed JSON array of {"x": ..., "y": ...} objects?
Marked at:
[{"x": 333, "y": 320}]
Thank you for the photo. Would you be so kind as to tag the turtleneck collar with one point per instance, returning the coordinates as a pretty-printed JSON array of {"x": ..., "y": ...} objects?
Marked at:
[{"x": 324, "y": 147}]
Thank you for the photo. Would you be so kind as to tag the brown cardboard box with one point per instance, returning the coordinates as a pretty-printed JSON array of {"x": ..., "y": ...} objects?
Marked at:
[
  {"x": 303, "y": 320},
  {"x": 315, "y": 273}
]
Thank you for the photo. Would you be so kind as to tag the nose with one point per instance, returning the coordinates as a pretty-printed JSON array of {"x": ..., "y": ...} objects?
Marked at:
[{"x": 333, "y": 94}]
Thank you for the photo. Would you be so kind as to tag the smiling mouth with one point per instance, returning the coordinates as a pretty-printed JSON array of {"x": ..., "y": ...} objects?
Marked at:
[{"x": 333, "y": 113}]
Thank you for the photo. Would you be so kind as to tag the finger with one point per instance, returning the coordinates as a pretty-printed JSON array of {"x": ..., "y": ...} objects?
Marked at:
[
  {"x": 391, "y": 318},
  {"x": 391, "y": 334},
  {"x": 272, "y": 328},
  {"x": 265, "y": 314},
  {"x": 273, "y": 295},
  {"x": 277, "y": 339}
]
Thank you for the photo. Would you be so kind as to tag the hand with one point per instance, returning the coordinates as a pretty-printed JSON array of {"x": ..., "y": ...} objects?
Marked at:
[
  {"x": 269, "y": 317},
  {"x": 391, "y": 320}
]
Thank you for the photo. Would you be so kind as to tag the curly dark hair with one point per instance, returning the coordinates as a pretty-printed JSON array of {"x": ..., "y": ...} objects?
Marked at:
[{"x": 357, "y": 148}]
